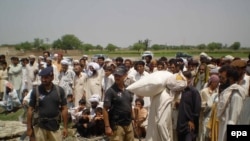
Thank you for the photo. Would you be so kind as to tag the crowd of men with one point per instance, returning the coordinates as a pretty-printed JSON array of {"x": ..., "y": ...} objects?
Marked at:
[{"x": 217, "y": 93}]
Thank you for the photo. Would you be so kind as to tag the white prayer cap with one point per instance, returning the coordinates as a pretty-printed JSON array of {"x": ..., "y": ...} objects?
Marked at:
[
  {"x": 107, "y": 60},
  {"x": 94, "y": 98},
  {"x": 76, "y": 61},
  {"x": 228, "y": 57},
  {"x": 32, "y": 56},
  {"x": 203, "y": 54},
  {"x": 64, "y": 62},
  {"x": 213, "y": 71},
  {"x": 94, "y": 65},
  {"x": 55, "y": 55},
  {"x": 85, "y": 57},
  {"x": 211, "y": 66},
  {"x": 40, "y": 57}
]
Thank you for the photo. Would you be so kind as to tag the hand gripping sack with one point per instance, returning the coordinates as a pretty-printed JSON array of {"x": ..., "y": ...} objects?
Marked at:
[{"x": 151, "y": 84}]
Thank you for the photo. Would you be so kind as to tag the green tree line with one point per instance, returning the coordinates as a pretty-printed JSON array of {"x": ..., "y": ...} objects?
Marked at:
[{"x": 70, "y": 41}]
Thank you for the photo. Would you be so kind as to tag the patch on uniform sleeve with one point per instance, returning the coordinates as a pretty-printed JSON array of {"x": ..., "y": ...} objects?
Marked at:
[{"x": 119, "y": 94}]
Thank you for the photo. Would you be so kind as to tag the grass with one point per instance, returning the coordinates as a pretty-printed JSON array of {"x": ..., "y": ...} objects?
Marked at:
[{"x": 13, "y": 116}]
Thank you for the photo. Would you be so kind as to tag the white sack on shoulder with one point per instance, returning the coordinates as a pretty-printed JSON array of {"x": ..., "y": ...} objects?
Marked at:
[
  {"x": 176, "y": 82},
  {"x": 151, "y": 84}
]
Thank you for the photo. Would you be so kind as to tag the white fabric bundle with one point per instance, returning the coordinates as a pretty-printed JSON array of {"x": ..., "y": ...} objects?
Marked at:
[
  {"x": 177, "y": 82},
  {"x": 156, "y": 82},
  {"x": 150, "y": 85}
]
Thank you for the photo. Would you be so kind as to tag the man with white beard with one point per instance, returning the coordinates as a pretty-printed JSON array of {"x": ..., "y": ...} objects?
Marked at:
[
  {"x": 32, "y": 67},
  {"x": 55, "y": 71},
  {"x": 94, "y": 80},
  {"x": 201, "y": 77},
  {"x": 66, "y": 77}
]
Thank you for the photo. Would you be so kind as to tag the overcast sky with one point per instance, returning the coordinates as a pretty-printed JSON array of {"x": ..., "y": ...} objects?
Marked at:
[{"x": 124, "y": 22}]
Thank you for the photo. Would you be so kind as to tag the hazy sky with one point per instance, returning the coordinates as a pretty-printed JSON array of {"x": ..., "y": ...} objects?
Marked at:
[{"x": 124, "y": 22}]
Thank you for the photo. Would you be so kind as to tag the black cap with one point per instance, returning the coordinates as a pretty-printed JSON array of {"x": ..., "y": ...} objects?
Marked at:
[
  {"x": 121, "y": 70},
  {"x": 119, "y": 59},
  {"x": 46, "y": 71},
  {"x": 14, "y": 58}
]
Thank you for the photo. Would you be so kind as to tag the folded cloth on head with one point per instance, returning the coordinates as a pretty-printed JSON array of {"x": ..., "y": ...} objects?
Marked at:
[
  {"x": 94, "y": 65},
  {"x": 94, "y": 98}
]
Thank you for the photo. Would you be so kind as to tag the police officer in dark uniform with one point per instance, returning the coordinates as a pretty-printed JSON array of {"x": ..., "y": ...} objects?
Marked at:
[
  {"x": 52, "y": 102},
  {"x": 117, "y": 109}
]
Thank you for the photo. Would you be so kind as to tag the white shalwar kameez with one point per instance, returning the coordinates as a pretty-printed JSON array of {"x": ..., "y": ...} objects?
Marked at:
[{"x": 228, "y": 114}]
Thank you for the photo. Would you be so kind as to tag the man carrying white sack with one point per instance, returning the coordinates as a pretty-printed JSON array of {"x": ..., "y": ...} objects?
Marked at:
[{"x": 161, "y": 87}]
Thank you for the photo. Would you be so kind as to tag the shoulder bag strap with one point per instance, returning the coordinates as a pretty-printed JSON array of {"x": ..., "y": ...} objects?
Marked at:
[
  {"x": 37, "y": 98},
  {"x": 58, "y": 93}
]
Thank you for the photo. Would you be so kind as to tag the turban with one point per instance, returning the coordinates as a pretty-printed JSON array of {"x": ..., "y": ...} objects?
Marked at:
[
  {"x": 94, "y": 98},
  {"x": 64, "y": 62},
  {"x": 94, "y": 65},
  {"x": 213, "y": 78}
]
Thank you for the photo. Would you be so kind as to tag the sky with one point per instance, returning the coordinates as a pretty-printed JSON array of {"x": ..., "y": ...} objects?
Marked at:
[{"x": 124, "y": 22}]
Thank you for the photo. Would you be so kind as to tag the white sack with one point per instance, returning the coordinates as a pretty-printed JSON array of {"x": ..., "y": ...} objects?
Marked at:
[
  {"x": 176, "y": 82},
  {"x": 151, "y": 84}
]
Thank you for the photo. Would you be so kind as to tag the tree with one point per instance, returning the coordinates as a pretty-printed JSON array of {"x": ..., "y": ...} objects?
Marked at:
[
  {"x": 219, "y": 46},
  {"x": 211, "y": 46},
  {"x": 235, "y": 46},
  {"x": 138, "y": 46},
  {"x": 24, "y": 46},
  {"x": 38, "y": 43},
  {"x": 45, "y": 46},
  {"x": 99, "y": 47},
  {"x": 214, "y": 45},
  {"x": 201, "y": 46},
  {"x": 146, "y": 43},
  {"x": 87, "y": 47},
  {"x": 57, "y": 44},
  {"x": 111, "y": 47},
  {"x": 70, "y": 41},
  {"x": 156, "y": 47}
]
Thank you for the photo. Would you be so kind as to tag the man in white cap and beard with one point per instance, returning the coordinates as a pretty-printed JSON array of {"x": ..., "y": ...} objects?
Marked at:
[
  {"x": 32, "y": 67},
  {"x": 55, "y": 71},
  {"x": 94, "y": 79},
  {"x": 94, "y": 103},
  {"x": 66, "y": 77}
]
